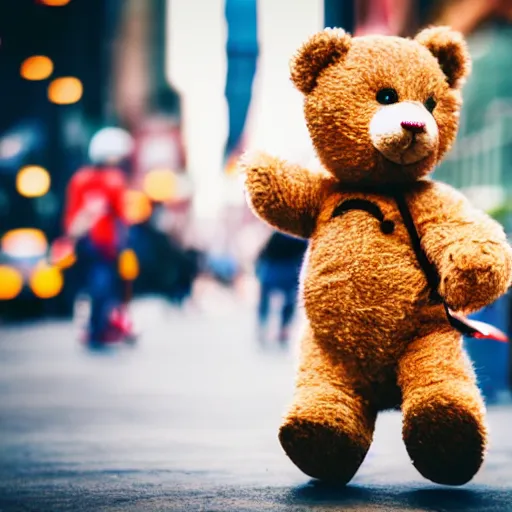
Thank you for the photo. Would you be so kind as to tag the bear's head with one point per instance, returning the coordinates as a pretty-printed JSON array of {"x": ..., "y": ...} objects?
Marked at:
[{"x": 381, "y": 109}]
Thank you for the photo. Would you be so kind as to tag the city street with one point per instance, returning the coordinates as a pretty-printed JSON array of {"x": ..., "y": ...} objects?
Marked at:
[{"x": 186, "y": 420}]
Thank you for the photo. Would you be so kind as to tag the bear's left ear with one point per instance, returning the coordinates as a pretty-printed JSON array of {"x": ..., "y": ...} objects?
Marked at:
[
  {"x": 450, "y": 49},
  {"x": 319, "y": 52}
]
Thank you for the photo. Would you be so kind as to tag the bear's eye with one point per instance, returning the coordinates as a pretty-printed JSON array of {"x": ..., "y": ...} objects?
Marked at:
[
  {"x": 387, "y": 96},
  {"x": 430, "y": 104}
]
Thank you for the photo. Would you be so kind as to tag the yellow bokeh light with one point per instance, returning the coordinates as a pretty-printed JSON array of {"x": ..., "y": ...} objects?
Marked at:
[
  {"x": 11, "y": 282},
  {"x": 128, "y": 265},
  {"x": 33, "y": 181},
  {"x": 24, "y": 243},
  {"x": 65, "y": 90},
  {"x": 160, "y": 185},
  {"x": 46, "y": 281},
  {"x": 55, "y": 3},
  {"x": 37, "y": 67},
  {"x": 137, "y": 207}
]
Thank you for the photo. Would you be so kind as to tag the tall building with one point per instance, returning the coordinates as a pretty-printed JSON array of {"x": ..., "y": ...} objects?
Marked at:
[{"x": 58, "y": 115}]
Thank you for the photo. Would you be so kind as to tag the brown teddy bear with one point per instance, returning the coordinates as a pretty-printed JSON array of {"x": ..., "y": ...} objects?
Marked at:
[{"x": 390, "y": 253}]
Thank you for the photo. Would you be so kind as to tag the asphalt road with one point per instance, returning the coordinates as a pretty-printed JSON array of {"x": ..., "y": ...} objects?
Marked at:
[{"x": 187, "y": 421}]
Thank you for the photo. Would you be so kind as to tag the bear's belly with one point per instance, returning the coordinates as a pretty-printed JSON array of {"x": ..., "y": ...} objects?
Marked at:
[{"x": 362, "y": 284}]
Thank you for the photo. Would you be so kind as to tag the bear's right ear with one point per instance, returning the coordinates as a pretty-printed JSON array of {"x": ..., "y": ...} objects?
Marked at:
[{"x": 319, "y": 52}]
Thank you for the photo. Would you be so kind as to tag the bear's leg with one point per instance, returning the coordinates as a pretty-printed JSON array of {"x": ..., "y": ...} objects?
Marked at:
[
  {"x": 444, "y": 416},
  {"x": 329, "y": 427}
]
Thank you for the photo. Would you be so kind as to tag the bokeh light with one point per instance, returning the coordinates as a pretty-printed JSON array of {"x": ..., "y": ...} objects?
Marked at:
[
  {"x": 55, "y": 3},
  {"x": 128, "y": 265},
  {"x": 37, "y": 67},
  {"x": 11, "y": 147},
  {"x": 24, "y": 243},
  {"x": 137, "y": 207},
  {"x": 160, "y": 185},
  {"x": 33, "y": 181},
  {"x": 11, "y": 282},
  {"x": 46, "y": 281},
  {"x": 65, "y": 90}
]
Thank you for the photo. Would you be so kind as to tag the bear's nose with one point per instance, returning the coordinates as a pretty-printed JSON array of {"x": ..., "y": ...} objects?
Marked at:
[{"x": 413, "y": 126}]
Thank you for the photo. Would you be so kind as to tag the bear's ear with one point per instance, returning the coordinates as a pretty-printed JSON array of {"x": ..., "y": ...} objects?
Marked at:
[
  {"x": 319, "y": 52},
  {"x": 450, "y": 49}
]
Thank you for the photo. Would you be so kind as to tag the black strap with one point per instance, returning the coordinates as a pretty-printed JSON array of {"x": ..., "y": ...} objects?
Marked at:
[
  {"x": 457, "y": 322},
  {"x": 428, "y": 269},
  {"x": 386, "y": 226}
]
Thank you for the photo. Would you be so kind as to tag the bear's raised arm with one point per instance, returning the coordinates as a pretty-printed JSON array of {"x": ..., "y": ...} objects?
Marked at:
[
  {"x": 286, "y": 196},
  {"x": 468, "y": 248}
]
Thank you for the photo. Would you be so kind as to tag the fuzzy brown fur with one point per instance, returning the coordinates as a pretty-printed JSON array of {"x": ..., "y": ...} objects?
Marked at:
[{"x": 375, "y": 338}]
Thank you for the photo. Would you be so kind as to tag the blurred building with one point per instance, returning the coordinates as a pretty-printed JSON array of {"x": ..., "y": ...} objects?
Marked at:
[
  {"x": 480, "y": 162},
  {"x": 50, "y": 113}
]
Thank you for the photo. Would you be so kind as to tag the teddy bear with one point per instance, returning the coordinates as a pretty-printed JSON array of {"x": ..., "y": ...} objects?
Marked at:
[{"x": 390, "y": 252}]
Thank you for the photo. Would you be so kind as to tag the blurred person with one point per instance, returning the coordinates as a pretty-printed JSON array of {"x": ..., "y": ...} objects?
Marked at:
[
  {"x": 94, "y": 220},
  {"x": 384, "y": 17},
  {"x": 278, "y": 269}
]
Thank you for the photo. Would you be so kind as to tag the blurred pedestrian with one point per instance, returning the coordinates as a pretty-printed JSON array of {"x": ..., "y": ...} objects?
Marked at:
[
  {"x": 94, "y": 219},
  {"x": 278, "y": 269}
]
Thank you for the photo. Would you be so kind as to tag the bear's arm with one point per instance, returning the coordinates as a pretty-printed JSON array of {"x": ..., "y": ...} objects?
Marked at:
[
  {"x": 468, "y": 248},
  {"x": 286, "y": 196}
]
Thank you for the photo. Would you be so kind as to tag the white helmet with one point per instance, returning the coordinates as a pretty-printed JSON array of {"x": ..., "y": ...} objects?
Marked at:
[{"x": 110, "y": 145}]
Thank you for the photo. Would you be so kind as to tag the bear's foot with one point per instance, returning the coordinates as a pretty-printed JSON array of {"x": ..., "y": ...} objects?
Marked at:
[
  {"x": 322, "y": 451},
  {"x": 445, "y": 439}
]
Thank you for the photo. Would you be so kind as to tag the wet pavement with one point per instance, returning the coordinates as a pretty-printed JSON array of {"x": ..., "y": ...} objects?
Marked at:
[{"x": 187, "y": 420}]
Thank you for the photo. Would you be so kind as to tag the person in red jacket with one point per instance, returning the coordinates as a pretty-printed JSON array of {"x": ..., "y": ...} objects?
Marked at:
[{"x": 94, "y": 218}]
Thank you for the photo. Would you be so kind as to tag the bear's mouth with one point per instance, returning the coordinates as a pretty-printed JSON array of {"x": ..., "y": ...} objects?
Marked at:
[
  {"x": 410, "y": 148},
  {"x": 404, "y": 133},
  {"x": 407, "y": 153}
]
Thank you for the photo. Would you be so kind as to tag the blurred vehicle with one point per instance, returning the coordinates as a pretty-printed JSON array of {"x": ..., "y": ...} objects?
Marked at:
[{"x": 29, "y": 284}]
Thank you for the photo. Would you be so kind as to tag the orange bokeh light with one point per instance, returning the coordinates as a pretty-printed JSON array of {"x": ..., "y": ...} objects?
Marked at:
[
  {"x": 65, "y": 90},
  {"x": 128, "y": 265},
  {"x": 55, "y": 3},
  {"x": 11, "y": 282},
  {"x": 137, "y": 207},
  {"x": 37, "y": 67}
]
